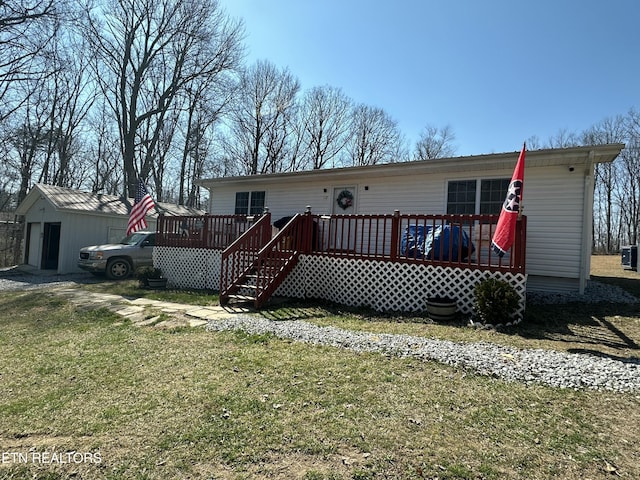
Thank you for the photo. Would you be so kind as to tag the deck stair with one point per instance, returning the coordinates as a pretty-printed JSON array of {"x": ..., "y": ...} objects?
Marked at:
[{"x": 251, "y": 274}]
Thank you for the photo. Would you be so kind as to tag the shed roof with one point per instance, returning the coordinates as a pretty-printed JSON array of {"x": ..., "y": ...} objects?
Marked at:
[{"x": 67, "y": 199}]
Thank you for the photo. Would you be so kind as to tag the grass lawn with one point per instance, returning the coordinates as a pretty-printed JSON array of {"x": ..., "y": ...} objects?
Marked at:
[{"x": 144, "y": 403}]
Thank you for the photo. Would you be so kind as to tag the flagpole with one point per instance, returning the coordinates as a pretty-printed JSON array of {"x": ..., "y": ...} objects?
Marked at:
[{"x": 511, "y": 212}]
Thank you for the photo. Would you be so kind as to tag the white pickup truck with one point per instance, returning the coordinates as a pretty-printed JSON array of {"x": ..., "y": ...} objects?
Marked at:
[{"x": 119, "y": 260}]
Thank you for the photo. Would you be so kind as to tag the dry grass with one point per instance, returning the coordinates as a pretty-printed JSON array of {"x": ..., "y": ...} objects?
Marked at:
[
  {"x": 608, "y": 268},
  {"x": 186, "y": 403}
]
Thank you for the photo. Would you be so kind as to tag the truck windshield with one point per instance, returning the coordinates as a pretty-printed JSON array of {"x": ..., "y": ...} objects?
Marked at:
[{"x": 133, "y": 239}]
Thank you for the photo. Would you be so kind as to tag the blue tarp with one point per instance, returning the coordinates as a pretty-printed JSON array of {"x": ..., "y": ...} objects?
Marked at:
[{"x": 425, "y": 241}]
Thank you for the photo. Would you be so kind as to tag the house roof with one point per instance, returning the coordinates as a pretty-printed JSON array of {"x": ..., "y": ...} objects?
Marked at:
[
  {"x": 67, "y": 199},
  {"x": 586, "y": 155}
]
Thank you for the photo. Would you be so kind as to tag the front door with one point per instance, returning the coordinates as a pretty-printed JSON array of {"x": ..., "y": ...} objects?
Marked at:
[
  {"x": 344, "y": 200},
  {"x": 342, "y": 233},
  {"x": 50, "y": 246}
]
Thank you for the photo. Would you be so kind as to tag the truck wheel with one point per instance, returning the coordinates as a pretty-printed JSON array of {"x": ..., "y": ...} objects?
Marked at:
[{"x": 118, "y": 269}]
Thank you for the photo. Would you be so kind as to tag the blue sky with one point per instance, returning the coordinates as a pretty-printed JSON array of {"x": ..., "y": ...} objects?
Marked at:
[{"x": 496, "y": 71}]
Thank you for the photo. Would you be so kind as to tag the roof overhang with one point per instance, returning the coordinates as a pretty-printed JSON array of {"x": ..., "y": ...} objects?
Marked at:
[
  {"x": 536, "y": 158},
  {"x": 32, "y": 197}
]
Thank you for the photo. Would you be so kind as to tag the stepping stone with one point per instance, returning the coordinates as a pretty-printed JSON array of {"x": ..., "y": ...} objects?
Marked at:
[
  {"x": 199, "y": 312},
  {"x": 144, "y": 301},
  {"x": 148, "y": 321},
  {"x": 197, "y": 323},
  {"x": 125, "y": 312},
  {"x": 137, "y": 318}
]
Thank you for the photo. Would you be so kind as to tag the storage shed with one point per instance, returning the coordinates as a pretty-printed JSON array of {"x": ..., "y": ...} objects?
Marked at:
[{"x": 59, "y": 221}]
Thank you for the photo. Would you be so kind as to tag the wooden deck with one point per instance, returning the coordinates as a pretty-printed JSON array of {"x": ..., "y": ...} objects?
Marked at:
[{"x": 415, "y": 238}]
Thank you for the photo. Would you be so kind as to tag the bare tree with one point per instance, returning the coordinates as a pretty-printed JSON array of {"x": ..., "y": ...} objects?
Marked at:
[
  {"x": 71, "y": 96},
  {"x": 28, "y": 137},
  {"x": 563, "y": 139},
  {"x": 628, "y": 177},
  {"x": 103, "y": 154},
  {"x": 374, "y": 137},
  {"x": 435, "y": 142},
  {"x": 258, "y": 119},
  {"x": 606, "y": 184},
  {"x": 204, "y": 105},
  {"x": 533, "y": 143},
  {"x": 46, "y": 126},
  {"x": 325, "y": 124},
  {"x": 26, "y": 27},
  {"x": 146, "y": 53},
  {"x": 159, "y": 151},
  {"x": 278, "y": 134}
]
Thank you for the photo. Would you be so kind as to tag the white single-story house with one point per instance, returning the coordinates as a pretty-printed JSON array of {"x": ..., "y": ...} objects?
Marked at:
[
  {"x": 60, "y": 221},
  {"x": 557, "y": 199}
]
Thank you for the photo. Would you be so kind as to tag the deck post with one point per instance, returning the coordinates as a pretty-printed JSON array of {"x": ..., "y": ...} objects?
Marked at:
[
  {"x": 204, "y": 233},
  {"x": 266, "y": 232},
  {"x": 307, "y": 229},
  {"x": 395, "y": 235},
  {"x": 160, "y": 225}
]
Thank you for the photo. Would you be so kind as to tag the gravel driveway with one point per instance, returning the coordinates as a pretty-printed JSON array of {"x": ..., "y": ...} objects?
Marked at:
[{"x": 12, "y": 279}]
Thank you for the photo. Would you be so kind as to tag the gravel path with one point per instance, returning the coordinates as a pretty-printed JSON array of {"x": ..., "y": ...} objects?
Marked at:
[
  {"x": 556, "y": 369},
  {"x": 593, "y": 293}
]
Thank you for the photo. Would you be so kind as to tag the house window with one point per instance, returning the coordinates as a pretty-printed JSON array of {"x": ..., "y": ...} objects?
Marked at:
[
  {"x": 461, "y": 197},
  {"x": 249, "y": 203},
  {"x": 476, "y": 196},
  {"x": 492, "y": 195}
]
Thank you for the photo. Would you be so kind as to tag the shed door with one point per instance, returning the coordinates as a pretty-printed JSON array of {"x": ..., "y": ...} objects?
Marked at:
[
  {"x": 50, "y": 246},
  {"x": 33, "y": 245}
]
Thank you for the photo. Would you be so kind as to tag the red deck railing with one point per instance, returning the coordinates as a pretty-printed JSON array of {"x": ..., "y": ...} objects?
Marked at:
[
  {"x": 389, "y": 237},
  {"x": 240, "y": 257},
  {"x": 433, "y": 239},
  {"x": 205, "y": 231}
]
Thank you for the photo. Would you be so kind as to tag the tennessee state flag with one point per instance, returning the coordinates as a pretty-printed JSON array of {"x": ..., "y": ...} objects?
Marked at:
[{"x": 505, "y": 232}]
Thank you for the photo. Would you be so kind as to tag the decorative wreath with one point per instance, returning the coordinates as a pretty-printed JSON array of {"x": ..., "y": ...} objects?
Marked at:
[{"x": 345, "y": 199}]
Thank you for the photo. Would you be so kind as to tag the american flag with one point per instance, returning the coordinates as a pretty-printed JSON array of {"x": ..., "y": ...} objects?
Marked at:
[{"x": 142, "y": 204}]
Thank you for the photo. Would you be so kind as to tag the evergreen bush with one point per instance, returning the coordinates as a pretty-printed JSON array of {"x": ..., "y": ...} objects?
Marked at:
[{"x": 495, "y": 302}]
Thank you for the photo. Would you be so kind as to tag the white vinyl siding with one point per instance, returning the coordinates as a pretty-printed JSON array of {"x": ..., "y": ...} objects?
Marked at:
[
  {"x": 536, "y": 283},
  {"x": 406, "y": 194},
  {"x": 553, "y": 201}
]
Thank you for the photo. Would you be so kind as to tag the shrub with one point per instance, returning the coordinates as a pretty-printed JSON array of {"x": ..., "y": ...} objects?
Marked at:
[
  {"x": 496, "y": 302},
  {"x": 143, "y": 274}
]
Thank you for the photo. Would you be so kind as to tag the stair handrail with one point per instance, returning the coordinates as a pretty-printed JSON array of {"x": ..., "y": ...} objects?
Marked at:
[
  {"x": 282, "y": 251},
  {"x": 238, "y": 257}
]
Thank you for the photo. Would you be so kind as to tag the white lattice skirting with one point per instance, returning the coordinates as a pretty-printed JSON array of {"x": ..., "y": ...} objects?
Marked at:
[
  {"x": 389, "y": 286},
  {"x": 193, "y": 268},
  {"x": 383, "y": 286}
]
